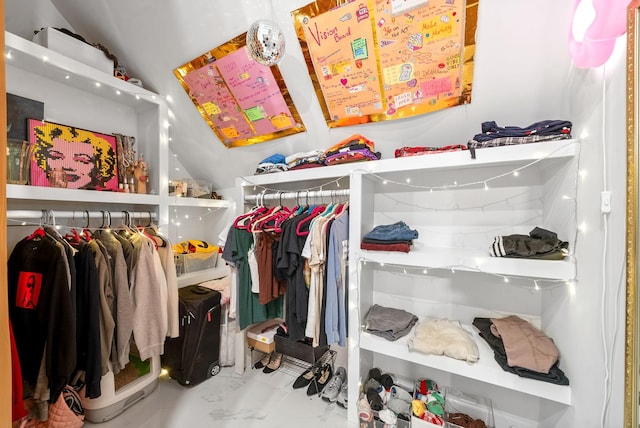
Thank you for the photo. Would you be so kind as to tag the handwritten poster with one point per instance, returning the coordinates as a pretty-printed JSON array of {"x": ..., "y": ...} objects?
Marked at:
[
  {"x": 243, "y": 101},
  {"x": 342, "y": 44},
  {"x": 418, "y": 53}
]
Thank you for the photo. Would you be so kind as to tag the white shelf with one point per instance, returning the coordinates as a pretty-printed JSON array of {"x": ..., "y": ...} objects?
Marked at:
[
  {"x": 176, "y": 201},
  {"x": 30, "y": 56},
  {"x": 37, "y": 193},
  {"x": 203, "y": 275},
  {"x": 474, "y": 261},
  {"x": 516, "y": 155},
  {"x": 505, "y": 155},
  {"x": 485, "y": 370}
]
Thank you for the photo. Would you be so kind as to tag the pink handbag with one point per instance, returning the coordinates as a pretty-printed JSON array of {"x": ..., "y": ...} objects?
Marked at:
[{"x": 60, "y": 415}]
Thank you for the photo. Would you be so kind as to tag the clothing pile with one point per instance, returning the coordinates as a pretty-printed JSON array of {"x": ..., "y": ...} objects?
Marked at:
[
  {"x": 444, "y": 337},
  {"x": 353, "y": 149},
  {"x": 273, "y": 163},
  {"x": 494, "y": 136},
  {"x": 522, "y": 349},
  {"x": 539, "y": 244},
  {"x": 304, "y": 160},
  {"x": 404, "y": 152},
  {"x": 389, "y": 323},
  {"x": 390, "y": 237}
]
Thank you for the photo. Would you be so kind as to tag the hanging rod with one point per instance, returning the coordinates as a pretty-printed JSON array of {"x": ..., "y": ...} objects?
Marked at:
[
  {"x": 302, "y": 194},
  {"x": 78, "y": 214}
]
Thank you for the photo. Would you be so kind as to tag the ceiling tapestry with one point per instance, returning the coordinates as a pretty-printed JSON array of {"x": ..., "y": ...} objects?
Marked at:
[
  {"x": 387, "y": 59},
  {"x": 243, "y": 101}
]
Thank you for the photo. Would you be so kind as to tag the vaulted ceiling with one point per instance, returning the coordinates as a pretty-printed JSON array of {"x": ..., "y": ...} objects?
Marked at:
[{"x": 151, "y": 38}]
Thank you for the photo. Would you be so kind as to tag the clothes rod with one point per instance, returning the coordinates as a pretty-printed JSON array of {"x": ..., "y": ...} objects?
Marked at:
[
  {"x": 78, "y": 214},
  {"x": 299, "y": 195}
]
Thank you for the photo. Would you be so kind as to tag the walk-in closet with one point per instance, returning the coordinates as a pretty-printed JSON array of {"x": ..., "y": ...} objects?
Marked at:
[{"x": 329, "y": 213}]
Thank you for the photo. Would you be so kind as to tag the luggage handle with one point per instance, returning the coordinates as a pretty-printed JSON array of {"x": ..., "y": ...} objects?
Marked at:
[{"x": 198, "y": 289}]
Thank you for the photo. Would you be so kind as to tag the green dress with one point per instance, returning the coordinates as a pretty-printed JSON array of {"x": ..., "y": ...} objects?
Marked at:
[{"x": 250, "y": 311}]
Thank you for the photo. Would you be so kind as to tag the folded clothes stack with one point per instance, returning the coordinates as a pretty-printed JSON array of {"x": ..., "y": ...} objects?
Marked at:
[
  {"x": 353, "y": 149},
  {"x": 274, "y": 163},
  {"x": 304, "y": 160},
  {"x": 546, "y": 130},
  {"x": 404, "y": 152},
  {"x": 389, "y": 323},
  {"x": 389, "y": 237},
  {"x": 520, "y": 348},
  {"x": 539, "y": 244}
]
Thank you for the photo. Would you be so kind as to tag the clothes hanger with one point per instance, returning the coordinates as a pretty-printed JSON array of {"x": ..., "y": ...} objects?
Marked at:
[
  {"x": 152, "y": 232},
  {"x": 86, "y": 233},
  {"x": 317, "y": 210},
  {"x": 73, "y": 237},
  {"x": 39, "y": 233},
  {"x": 241, "y": 221}
]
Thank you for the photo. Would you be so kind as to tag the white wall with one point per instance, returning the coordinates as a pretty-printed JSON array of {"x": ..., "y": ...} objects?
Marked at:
[{"x": 522, "y": 74}]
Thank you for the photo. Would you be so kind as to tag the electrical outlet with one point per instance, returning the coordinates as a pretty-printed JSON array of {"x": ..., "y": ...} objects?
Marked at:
[{"x": 605, "y": 202}]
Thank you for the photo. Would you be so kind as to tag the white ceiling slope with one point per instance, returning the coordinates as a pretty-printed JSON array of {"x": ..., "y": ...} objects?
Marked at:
[{"x": 152, "y": 38}]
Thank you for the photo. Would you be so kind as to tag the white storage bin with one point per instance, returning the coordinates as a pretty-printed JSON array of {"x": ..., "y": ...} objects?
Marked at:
[
  {"x": 193, "y": 262},
  {"x": 477, "y": 407},
  {"x": 74, "y": 48}
]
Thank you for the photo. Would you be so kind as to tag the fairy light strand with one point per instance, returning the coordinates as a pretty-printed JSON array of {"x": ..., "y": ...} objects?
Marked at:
[{"x": 405, "y": 270}]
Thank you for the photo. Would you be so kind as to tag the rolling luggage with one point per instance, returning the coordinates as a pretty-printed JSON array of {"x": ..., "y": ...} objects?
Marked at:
[{"x": 194, "y": 356}]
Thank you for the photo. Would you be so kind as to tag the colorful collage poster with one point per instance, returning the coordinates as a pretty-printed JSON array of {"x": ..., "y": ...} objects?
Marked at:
[
  {"x": 344, "y": 59},
  {"x": 243, "y": 101},
  {"x": 419, "y": 56}
]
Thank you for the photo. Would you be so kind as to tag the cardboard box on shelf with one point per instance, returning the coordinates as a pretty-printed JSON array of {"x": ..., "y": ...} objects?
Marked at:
[{"x": 261, "y": 336}]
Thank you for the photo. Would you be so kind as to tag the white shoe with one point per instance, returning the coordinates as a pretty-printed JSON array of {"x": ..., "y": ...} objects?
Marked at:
[
  {"x": 332, "y": 390},
  {"x": 343, "y": 395}
]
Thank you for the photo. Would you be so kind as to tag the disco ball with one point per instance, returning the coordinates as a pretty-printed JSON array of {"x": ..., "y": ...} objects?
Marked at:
[{"x": 265, "y": 42}]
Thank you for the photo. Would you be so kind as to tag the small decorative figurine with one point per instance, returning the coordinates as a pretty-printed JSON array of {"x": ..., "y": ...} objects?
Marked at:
[{"x": 141, "y": 173}]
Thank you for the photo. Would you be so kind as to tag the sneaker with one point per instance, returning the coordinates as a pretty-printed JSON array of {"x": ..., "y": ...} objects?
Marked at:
[
  {"x": 343, "y": 395},
  {"x": 387, "y": 416},
  {"x": 364, "y": 411},
  {"x": 332, "y": 390}
]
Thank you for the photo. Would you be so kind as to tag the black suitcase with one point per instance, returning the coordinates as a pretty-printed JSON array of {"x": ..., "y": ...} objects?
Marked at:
[{"x": 194, "y": 356}]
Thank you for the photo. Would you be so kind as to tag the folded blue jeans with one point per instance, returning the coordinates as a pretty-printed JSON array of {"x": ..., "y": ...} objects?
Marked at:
[{"x": 392, "y": 232}]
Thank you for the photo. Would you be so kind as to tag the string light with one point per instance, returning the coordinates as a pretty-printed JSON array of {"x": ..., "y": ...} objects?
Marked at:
[
  {"x": 486, "y": 187},
  {"x": 483, "y": 182},
  {"x": 507, "y": 279},
  {"x": 336, "y": 182}
]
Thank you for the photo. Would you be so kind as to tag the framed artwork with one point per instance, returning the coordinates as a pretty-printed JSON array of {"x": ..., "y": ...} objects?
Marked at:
[
  {"x": 19, "y": 111},
  {"x": 242, "y": 101},
  {"x": 66, "y": 156},
  {"x": 386, "y": 60}
]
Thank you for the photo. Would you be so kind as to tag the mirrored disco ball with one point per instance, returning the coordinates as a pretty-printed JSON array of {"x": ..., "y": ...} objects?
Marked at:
[{"x": 265, "y": 42}]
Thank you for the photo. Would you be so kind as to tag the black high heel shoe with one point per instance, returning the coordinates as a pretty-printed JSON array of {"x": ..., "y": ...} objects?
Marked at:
[
  {"x": 320, "y": 381},
  {"x": 306, "y": 377}
]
